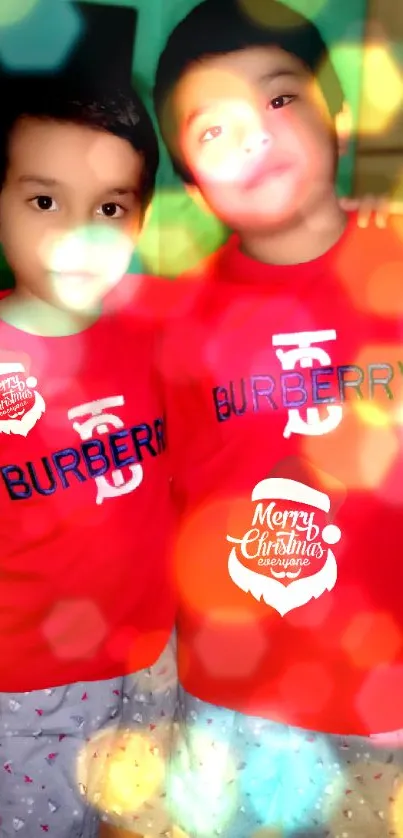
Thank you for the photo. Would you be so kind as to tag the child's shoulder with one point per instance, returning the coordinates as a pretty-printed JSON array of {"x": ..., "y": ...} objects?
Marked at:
[
  {"x": 369, "y": 264},
  {"x": 379, "y": 222},
  {"x": 377, "y": 235}
]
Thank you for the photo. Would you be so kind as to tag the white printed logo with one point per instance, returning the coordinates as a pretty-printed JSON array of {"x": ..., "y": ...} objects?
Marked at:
[
  {"x": 288, "y": 543},
  {"x": 99, "y": 421},
  {"x": 305, "y": 354},
  {"x": 20, "y": 403}
]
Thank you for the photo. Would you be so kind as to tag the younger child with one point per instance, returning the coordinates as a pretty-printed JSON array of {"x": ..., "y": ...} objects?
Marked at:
[
  {"x": 284, "y": 388},
  {"x": 85, "y": 515}
]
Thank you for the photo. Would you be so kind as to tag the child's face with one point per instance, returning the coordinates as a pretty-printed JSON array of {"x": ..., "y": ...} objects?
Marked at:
[
  {"x": 254, "y": 131},
  {"x": 69, "y": 210}
]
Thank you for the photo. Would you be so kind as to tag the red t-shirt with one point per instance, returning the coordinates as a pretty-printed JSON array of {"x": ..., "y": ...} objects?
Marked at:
[
  {"x": 86, "y": 588},
  {"x": 284, "y": 411}
]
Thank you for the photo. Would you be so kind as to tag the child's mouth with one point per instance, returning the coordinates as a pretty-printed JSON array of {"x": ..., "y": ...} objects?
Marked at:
[
  {"x": 75, "y": 276},
  {"x": 77, "y": 286},
  {"x": 267, "y": 168},
  {"x": 76, "y": 282}
]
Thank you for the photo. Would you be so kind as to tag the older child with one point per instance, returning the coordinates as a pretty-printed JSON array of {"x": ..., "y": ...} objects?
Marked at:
[{"x": 284, "y": 396}]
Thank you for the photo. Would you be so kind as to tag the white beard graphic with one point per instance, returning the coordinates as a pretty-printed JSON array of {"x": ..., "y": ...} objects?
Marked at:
[
  {"x": 280, "y": 597},
  {"x": 23, "y": 426}
]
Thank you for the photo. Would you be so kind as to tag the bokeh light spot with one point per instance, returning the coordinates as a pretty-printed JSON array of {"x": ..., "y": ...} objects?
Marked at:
[
  {"x": 307, "y": 8},
  {"x": 383, "y": 385},
  {"x": 12, "y": 11},
  {"x": 177, "y": 250},
  {"x": 202, "y": 787},
  {"x": 313, "y": 617},
  {"x": 382, "y": 83},
  {"x": 135, "y": 649},
  {"x": 178, "y": 235},
  {"x": 276, "y": 775},
  {"x": 42, "y": 39},
  {"x": 372, "y": 414},
  {"x": 363, "y": 271},
  {"x": 382, "y": 86},
  {"x": 119, "y": 771},
  {"x": 349, "y": 56},
  {"x": 238, "y": 658},
  {"x": 372, "y": 638},
  {"x": 397, "y": 811},
  {"x": 292, "y": 777},
  {"x": 177, "y": 832},
  {"x": 396, "y": 224},
  {"x": 311, "y": 682},
  {"x": 379, "y": 449},
  {"x": 384, "y": 290},
  {"x": 263, "y": 14},
  {"x": 86, "y": 263},
  {"x": 120, "y": 642},
  {"x": 195, "y": 538},
  {"x": 382, "y": 89},
  {"x": 379, "y": 700},
  {"x": 372, "y": 451},
  {"x": 63, "y": 629}
]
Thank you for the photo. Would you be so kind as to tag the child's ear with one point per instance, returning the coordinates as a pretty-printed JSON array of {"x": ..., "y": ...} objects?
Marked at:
[
  {"x": 197, "y": 197},
  {"x": 344, "y": 128}
]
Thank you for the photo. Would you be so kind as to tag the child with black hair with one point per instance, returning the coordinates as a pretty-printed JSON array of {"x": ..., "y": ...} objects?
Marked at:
[
  {"x": 283, "y": 372},
  {"x": 87, "y": 670}
]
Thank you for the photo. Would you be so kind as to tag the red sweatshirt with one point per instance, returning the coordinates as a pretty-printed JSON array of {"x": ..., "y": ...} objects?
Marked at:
[
  {"x": 85, "y": 516},
  {"x": 285, "y": 424}
]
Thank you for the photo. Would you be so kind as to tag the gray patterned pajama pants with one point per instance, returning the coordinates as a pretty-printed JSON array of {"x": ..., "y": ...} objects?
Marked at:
[
  {"x": 237, "y": 776},
  {"x": 74, "y": 754}
]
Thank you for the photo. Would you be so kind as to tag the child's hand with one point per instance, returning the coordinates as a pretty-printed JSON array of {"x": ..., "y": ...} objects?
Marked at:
[{"x": 381, "y": 207}]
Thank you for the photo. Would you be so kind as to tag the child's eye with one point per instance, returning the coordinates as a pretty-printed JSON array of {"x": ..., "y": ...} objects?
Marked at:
[
  {"x": 44, "y": 203},
  {"x": 211, "y": 134},
  {"x": 281, "y": 101},
  {"x": 111, "y": 210}
]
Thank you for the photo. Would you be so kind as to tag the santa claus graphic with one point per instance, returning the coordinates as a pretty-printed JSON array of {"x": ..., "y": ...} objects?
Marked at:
[
  {"x": 287, "y": 509},
  {"x": 20, "y": 403}
]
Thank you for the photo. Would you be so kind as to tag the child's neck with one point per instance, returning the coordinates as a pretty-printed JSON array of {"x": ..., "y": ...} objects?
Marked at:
[
  {"x": 305, "y": 239},
  {"x": 30, "y": 314}
]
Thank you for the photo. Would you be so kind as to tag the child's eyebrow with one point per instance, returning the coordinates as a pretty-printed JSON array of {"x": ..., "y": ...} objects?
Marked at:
[
  {"x": 122, "y": 191},
  {"x": 278, "y": 74},
  {"x": 195, "y": 114},
  {"x": 43, "y": 181},
  {"x": 49, "y": 182}
]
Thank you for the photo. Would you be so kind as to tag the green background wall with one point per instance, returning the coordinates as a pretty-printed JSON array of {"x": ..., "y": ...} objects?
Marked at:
[{"x": 178, "y": 233}]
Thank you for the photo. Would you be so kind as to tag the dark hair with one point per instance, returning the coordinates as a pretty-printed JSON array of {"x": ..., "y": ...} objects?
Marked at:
[
  {"x": 217, "y": 27},
  {"x": 120, "y": 112}
]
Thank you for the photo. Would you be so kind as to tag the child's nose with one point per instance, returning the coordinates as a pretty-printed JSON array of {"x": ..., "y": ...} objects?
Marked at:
[
  {"x": 80, "y": 218},
  {"x": 257, "y": 142}
]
